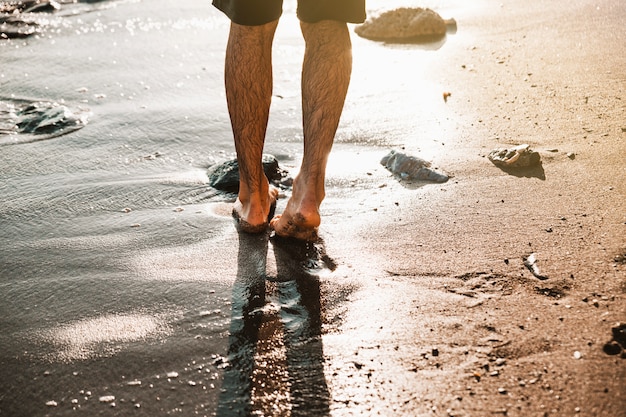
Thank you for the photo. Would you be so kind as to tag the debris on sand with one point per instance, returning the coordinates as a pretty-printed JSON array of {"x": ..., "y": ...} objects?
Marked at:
[
  {"x": 411, "y": 167},
  {"x": 520, "y": 156},
  {"x": 404, "y": 24},
  {"x": 107, "y": 398},
  {"x": 531, "y": 263},
  {"x": 617, "y": 344},
  {"x": 225, "y": 176}
]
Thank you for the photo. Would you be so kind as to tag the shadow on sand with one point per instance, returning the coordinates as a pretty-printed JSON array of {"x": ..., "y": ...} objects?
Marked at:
[
  {"x": 536, "y": 171},
  {"x": 289, "y": 306}
]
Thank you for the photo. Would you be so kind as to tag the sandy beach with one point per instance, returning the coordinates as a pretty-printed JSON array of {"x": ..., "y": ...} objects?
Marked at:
[
  {"x": 418, "y": 302},
  {"x": 486, "y": 337}
]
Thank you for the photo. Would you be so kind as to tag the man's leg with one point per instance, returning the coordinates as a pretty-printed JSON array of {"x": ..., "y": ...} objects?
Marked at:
[
  {"x": 248, "y": 78},
  {"x": 325, "y": 78}
]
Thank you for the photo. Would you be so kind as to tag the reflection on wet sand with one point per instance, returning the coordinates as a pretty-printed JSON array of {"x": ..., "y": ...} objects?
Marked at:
[{"x": 275, "y": 355}]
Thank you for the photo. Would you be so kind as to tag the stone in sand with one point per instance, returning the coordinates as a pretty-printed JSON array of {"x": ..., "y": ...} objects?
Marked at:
[
  {"x": 518, "y": 157},
  {"x": 403, "y": 24},
  {"x": 225, "y": 176},
  {"x": 411, "y": 167},
  {"x": 24, "y": 121}
]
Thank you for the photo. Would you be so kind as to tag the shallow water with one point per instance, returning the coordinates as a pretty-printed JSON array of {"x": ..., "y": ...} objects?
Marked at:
[{"x": 120, "y": 270}]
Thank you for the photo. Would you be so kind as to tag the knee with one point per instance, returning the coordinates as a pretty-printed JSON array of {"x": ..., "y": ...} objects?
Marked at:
[
  {"x": 326, "y": 33},
  {"x": 259, "y": 32}
]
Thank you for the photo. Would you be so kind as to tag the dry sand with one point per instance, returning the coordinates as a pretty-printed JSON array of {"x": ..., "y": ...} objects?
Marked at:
[{"x": 483, "y": 335}]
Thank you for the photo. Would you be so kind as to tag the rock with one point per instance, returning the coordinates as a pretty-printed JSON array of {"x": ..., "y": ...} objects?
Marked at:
[
  {"x": 531, "y": 263},
  {"x": 13, "y": 27},
  {"x": 518, "y": 157},
  {"x": 46, "y": 118},
  {"x": 43, "y": 6},
  {"x": 13, "y": 23},
  {"x": 619, "y": 333},
  {"x": 107, "y": 398},
  {"x": 225, "y": 176},
  {"x": 612, "y": 348},
  {"x": 411, "y": 167},
  {"x": 403, "y": 24},
  {"x": 24, "y": 121}
]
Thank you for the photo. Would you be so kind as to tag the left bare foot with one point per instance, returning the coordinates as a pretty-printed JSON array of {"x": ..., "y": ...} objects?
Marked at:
[{"x": 252, "y": 215}]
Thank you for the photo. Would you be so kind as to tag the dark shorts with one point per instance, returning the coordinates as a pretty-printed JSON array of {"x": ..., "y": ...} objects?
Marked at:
[{"x": 260, "y": 12}]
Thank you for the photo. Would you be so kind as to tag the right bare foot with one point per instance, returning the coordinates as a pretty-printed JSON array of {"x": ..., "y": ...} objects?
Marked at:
[
  {"x": 252, "y": 214},
  {"x": 297, "y": 222}
]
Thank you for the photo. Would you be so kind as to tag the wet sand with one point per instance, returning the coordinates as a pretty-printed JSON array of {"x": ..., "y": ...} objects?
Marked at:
[{"x": 418, "y": 304}]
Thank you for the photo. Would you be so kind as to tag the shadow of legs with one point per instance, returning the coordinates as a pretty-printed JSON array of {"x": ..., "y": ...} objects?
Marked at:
[
  {"x": 299, "y": 297},
  {"x": 248, "y": 298}
]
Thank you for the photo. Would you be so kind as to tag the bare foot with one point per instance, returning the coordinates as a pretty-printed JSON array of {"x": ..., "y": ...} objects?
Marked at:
[
  {"x": 252, "y": 214},
  {"x": 297, "y": 222}
]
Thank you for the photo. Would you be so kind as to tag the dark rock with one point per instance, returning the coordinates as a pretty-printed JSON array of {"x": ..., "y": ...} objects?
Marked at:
[
  {"x": 13, "y": 23},
  {"x": 43, "y": 6},
  {"x": 619, "y": 333},
  {"x": 15, "y": 28},
  {"x": 27, "y": 121},
  {"x": 225, "y": 176},
  {"x": 44, "y": 118},
  {"x": 612, "y": 348}
]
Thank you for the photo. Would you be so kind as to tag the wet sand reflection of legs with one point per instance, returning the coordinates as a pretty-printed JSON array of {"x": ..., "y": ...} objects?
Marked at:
[{"x": 275, "y": 355}]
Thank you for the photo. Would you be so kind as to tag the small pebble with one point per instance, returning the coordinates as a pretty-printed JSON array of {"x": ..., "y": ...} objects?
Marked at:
[
  {"x": 107, "y": 398},
  {"x": 52, "y": 403},
  {"x": 172, "y": 374},
  {"x": 502, "y": 390},
  {"x": 577, "y": 355}
]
